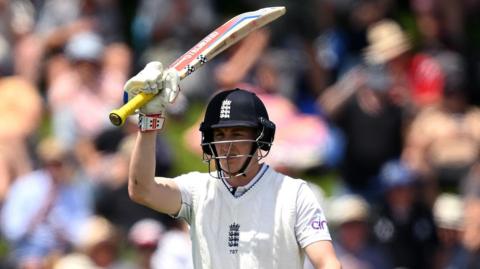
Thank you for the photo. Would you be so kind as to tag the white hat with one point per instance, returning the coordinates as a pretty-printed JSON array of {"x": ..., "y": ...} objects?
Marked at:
[
  {"x": 146, "y": 232},
  {"x": 96, "y": 230},
  {"x": 50, "y": 149},
  {"x": 87, "y": 46},
  {"x": 387, "y": 41},
  {"x": 347, "y": 208},
  {"x": 448, "y": 211},
  {"x": 75, "y": 261}
]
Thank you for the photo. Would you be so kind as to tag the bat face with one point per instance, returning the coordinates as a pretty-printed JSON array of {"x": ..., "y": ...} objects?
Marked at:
[
  {"x": 223, "y": 37},
  {"x": 195, "y": 53}
]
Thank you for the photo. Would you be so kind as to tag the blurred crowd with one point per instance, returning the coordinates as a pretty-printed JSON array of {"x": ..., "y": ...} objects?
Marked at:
[{"x": 381, "y": 94}]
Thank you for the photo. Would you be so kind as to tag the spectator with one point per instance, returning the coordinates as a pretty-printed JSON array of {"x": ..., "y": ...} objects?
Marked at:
[
  {"x": 349, "y": 215},
  {"x": 417, "y": 79},
  {"x": 86, "y": 84},
  {"x": 442, "y": 143},
  {"x": 404, "y": 226},
  {"x": 471, "y": 184},
  {"x": 371, "y": 122},
  {"x": 51, "y": 223},
  {"x": 19, "y": 120},
  {"x": 174, "y": 250},
  {"x": 470, "y": 258},
  {"x": 75, "y": 261},
  {"x": 58, "y": 21},
  {"x": 111, "y": 200},
  {"x": 373, "y": 103},
  {"x": 165, "y": 29},
  {"x": 17, "y": 56},
  {"x": 101, "y": 243},
  {"x": 448, "y": 211},
  {"x": 145, "y": 236}
]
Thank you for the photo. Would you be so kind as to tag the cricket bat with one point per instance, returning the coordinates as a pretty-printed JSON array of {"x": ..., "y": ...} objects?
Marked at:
[{"x": 217, "y": 41}]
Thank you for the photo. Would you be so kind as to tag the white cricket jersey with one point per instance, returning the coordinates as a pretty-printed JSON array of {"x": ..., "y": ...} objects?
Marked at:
[{"x": 266, "y": 227}]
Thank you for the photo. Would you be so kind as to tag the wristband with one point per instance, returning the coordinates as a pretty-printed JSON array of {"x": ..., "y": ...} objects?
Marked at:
[{"x": 152, "y": 122}]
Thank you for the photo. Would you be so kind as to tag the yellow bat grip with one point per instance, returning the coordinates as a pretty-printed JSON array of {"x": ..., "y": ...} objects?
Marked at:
[{"x": 118, "y": 116}]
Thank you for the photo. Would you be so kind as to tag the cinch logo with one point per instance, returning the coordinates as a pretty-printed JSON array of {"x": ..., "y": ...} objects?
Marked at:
[
  {"x": 225, "y": 109},
  {"x": 317, "y": 222}
]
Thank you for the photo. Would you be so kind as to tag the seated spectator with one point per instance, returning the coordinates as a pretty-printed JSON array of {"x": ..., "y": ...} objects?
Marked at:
[
  {"x": 349, "y": 216},
  {"x": 101, "y": 243},
  {"x": 74, "y": 261},
  {"x": 53, "y": 203},
  {"x": 404, "y": 226},
  {"x": 145, "y": 235},
  {"x": 175, "y": 249},
  {"x": 468, "y": 254},
  {"x": 448, "y": 211}
]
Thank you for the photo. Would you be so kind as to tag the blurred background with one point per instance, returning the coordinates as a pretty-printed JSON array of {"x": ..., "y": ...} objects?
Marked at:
[{"x": 375, "y": 102}]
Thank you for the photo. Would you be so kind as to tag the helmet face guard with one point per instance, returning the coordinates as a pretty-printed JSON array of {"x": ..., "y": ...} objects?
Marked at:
[
  {"x": 226, "y": 170},
  {"x": 236, "y": 108}
]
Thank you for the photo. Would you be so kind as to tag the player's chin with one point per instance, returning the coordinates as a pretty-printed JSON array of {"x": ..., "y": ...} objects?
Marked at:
[{"x": 233, "y": 164}]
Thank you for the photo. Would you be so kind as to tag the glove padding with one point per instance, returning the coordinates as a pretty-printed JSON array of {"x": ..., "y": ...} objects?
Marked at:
[{"x": 154, "y": 80}]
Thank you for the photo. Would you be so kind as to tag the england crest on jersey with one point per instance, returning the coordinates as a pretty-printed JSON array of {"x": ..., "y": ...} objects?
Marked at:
[{"x": 233, "y": 237}]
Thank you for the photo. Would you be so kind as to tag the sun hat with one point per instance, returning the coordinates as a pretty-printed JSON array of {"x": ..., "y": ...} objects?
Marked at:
[
  {"x": 448, "y": 211},
  {"x": 347, "y": 208},
  {"x": 386, "y": 41},
  {"x": 75, "y": 261},
  {"x": 395, "y": 173},
  {"x": 96, "y": 230},
  {"x": 146, "y": 233},
  {"x": 85, "y": 46},
  {"x": 49, "y": 149}
]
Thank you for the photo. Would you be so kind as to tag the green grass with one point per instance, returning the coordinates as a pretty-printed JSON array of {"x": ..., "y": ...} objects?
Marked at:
[
  {"x": 184, "y": 159},
  {"x": 4, "y": 249},
  {"x": 326, "y": 180}
]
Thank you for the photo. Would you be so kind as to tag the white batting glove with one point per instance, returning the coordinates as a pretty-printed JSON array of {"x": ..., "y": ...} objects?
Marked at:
[{"x": 153, "y": 80}]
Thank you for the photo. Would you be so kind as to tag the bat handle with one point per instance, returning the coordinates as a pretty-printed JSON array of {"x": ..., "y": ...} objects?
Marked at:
[{"x": 118, "y": 116}]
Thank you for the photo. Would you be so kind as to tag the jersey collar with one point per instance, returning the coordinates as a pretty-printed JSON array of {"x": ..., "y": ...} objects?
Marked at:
[{"x": 239, "y": 191}]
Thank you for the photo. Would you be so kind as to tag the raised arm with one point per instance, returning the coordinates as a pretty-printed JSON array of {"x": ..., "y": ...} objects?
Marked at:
[
  {"x": 334, "y": 98},
  {"x": 161, "y": 194}
]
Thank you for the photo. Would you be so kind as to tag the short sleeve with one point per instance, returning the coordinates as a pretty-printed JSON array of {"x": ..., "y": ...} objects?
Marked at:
[
  {"x": 311, "y": 224},
  {"x": 187, "y": 185}
]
